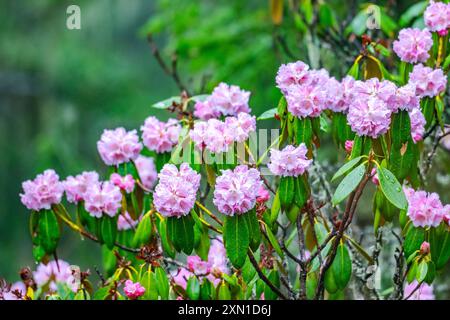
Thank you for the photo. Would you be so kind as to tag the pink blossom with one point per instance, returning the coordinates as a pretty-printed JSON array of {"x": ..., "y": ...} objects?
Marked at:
[
  {"x": 125, "y": 222},
  {"x": 446, "y": 211},
  {"x": 147, "y": 171},
  {"x": 418, "y": 122},
  {"x": 374, "y": 88},
  {"x": 229, "y": 99},
  {"x": 103, "y": 198},
  {"x": 197, "y": 266},
  {"x": 305, "y": 101},
  {"x": 181, "y": 277},
  {"x": 340, "y": 94},
  {"x": 413, "y": 45},
  {"x": 160, "y": 136},
  {"x": 369, "y": 117},
  {"x": 292, "y": 74},
  {"x": 241, "y": 126},
  {"x": 425, "y": 291},
  {"x": 77, "y": 186},
  {"x": 176, "y": 191},
  {"x": 16, "y": 291},
  {"x": 236, "y": 190},
  {"x": 405, "y": 98},
  {"x": 205, "y": 111},
  {"x": 425, "y": 248},
  {"x": 217, "y": 260},
  {"x": 263, "y": 195},
  {"x": 118, "y": 146},
  {"x": 125, "y": 183},
  {"x": 348, "y": 146},
  {"x": 43, "y": 191},
  {"x": 375, "y": 179},
  {"x": 291, "y": 161},
  {"x": 437, "y": 16},
  {"x": 318, "y": 78},
  {"x": 133, "y": 290},
  {"x": 428, "y": 82},
  {"x": 214, "y": 135},
  {"x": 55, "y": 272},
  {"x": 424, "y": 209}
]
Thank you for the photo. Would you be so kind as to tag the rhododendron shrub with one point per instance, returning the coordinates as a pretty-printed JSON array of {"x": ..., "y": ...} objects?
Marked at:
[{"x": 194, "y": 208}]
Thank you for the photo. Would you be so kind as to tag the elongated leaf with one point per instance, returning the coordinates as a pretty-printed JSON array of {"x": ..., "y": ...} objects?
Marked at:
[
  {"x": 166, "y": 103},
  {"x": 108, "y": 227},
  {"x": 162, "y": 283},
  {"x": 348, "y": 184},
  {"x": 223, "y": 291},
  {"x": 402, "y": 152},
  {"x": 148, "y": 281},
  {"x": 303, "y": 131},
  {"x": 286, "y": 191},
  {"x": 274, "y": 278},
  {"x": 346, "y": 167},
  {"x": 144, "y": 231},
  {"x": 166, "y": 244},
  {"x": 422, "y": 270},
  {"x": 440, "y": 245},
  {"x": 236, "y": 238},
  {"x": 49, "y": 232},
  {"x": 269, "y": 114},
  {"x": 413, "y": 239},
  {"x": 391, "y": 188},
  {"x": 342, "y": 267},
  {"x": 253, "y": 228},
  {"x": 274, "y": 242},
  {"x": 301, "y": 191},
  {"x": 193, "y": 288}
]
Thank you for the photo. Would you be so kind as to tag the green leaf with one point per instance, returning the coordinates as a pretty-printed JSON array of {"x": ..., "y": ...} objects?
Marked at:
[
  {"x": 108, "y": 229},
  {"x": 346, "y": 167},
  {"x": 326, "y": 16},
  {"x": 102, "y": 293},
  {"x": 275, "y": 208},
  {"x": 402, "y": 153},
  {"x": 348, "y": 184},
  {"x": 330, "y": 282},
  {"x": 274, "y": 242},
  {"x": 144, "y": 231},
  {"x": 200, "y": 97},
  {"x": 206, "y": 290},
  {"x": 253, "y": 228},
  {"x": 166, "y": 103},
  {"x": 286, "y": 191},
  {"x": 358, "y": 24},
  {"x": 181, "y": 233},
  {"x": 274, "y": 278},
  {"x": 440, "y": 245},
  {"x": 413, "y": 239},
  {"x": 162, "y": 283},
  {"x": 148, "y": 281},
  {"x": 49, "y": 232},
  {"x": 342, "y": 267},
  {"x": 269, "y": 114},
  {"x": 301, "y": 191},
  {"x": 422, "y": 270},
  {"x": 223, "y": 292},
  {"x": 193, "y": 288},
  {"x": 312, "y": 280},
  {"x": 303, "y": 131},
  {"x": 236, "y": 238},
  {"x": 412, "y": 12},
  {"x": 166, "y": 245},
  {"x": 391, "y": 188}
]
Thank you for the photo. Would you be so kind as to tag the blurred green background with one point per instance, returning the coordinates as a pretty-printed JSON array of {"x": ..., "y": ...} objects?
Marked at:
[{"x": 60, "y": 88}]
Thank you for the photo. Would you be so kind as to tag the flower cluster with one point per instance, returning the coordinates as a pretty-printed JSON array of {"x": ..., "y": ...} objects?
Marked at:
[
  {"x": 76, "y": 187},
  {"x": 413, "y": 45},
  {"x": 118, "y": 146},
  {"x": 103, "y": 198},
  {"x": 133, "y": 290},
  {"x": 160, "y": 136},
  {"x": 424, "y": 209},
  {"x": 55, "y": 272},
  {"x": 425, "y": 291},
  {"x": 417, "y": 124},
  {"x": 176, "y": 191},
  {"x": 147, "y": 171},
  {"x": 437, "y": 17},
  {"x": 210, "y": 269},
  {"x": 125, "y": 183},
  {"x": 227, "y": 100},
  {"x": 291, "y": 161},
  {"x": 43, "y": 191},
  {"x": 236, "y": 190},
  {"x": 216, "y": 136},
  {"x": 428, "y": 82}
]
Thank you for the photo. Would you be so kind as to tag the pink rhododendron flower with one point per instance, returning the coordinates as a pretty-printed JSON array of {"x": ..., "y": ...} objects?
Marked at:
[
  {"x": 16, "y": 291},
  {"x": 413, "y": 45},
  {"x": 103, "y": 198},
  {"x": 118, "y": 146},
  {"x": 197, "y": 266},
  {"x": 418, "y": 122},
  {"x": 217, "y": 260},
  {"x": 241, "y": 126},
  {"x": 305, "y": 101},
  {"x": 176, "y": 191},
  {"x": 55, "y": 272},
  {"x": 340, "y": 94},
  {"x": 133, "y": 290},
  {"x": 428, "y": 82},
  {"x": 181, "y": 277},
  {"x": 77, "y": 186},
  {"x": 125, "y": 183},
  {"x": 236, "y": 190},
  {"x": 348, "y": 146},
  {"x": 125, "y": 222},
  {"x": 292, "y": 74},
  {"x": 369, "y": 117},
  {"x": 446, "y": 211},
  {"x": 425, "y": 248},
  {"x": 205, "y": 111},
  {"x": 43, "y": 191},
  {"x": 437, "y": 16},
  {"x": 147, "y": 171},
  {"x": 424, "y": 209},
  {"x": 160, "y": 136},
  {"x": 263, "y": 195},
  {"x": 374, "y": 88},
  {"x": 229, "y": 99},
  {"x": 291, "y": 161},
  {"x": 425, "y": 291},
  {"x": 405, "y": 98}
]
